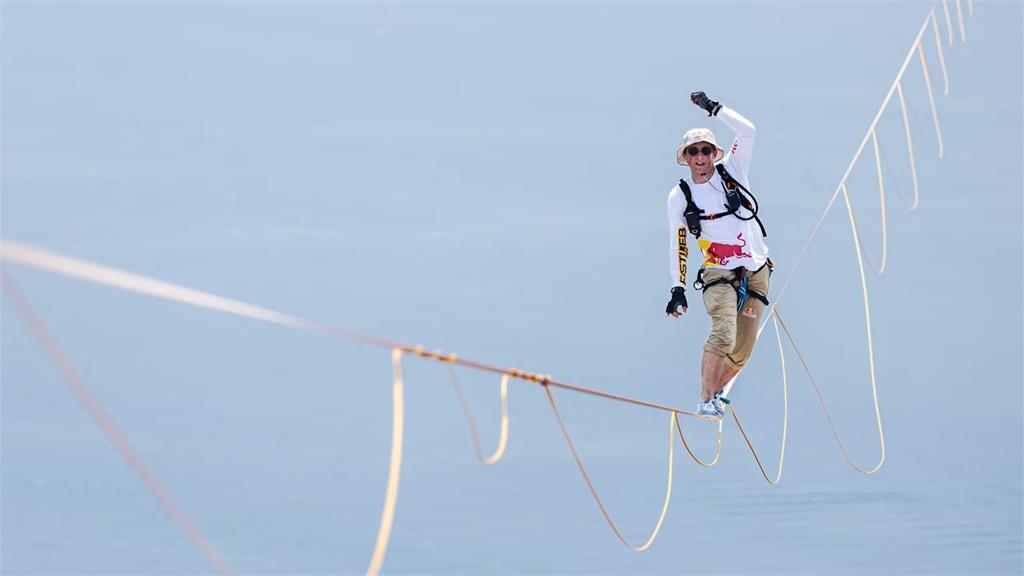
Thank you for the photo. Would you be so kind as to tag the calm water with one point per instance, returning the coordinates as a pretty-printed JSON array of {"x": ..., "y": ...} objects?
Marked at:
[{"x": 491, "y": 181}]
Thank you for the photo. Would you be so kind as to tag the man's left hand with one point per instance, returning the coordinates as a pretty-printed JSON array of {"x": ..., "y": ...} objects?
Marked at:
[{"x": 701, "y": 99}]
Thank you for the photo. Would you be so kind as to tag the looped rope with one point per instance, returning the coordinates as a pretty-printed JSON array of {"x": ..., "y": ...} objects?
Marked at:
[
  {"x": 785, "y": 412},
  {"x": 718, "y": 445},
  {"x": 48, "y": 261},
  {"x": 593, "y": 491},
  {"x": 828, "y": 415},
  {"x": 395, "y": 466},
  {"x": 106, "y": 424},
  {"x": 473, "y": 433}
]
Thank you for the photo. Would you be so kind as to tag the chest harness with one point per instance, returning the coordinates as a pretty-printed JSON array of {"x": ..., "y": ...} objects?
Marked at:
[{"x": 736, "y": 196}]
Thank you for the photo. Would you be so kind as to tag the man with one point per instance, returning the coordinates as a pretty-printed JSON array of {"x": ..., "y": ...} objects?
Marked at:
[{"x": 714, "y": 204}]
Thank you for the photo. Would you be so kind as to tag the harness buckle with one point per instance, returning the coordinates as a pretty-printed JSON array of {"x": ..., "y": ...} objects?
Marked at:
[
  {"x": 741, "y": 288},
  {"x": 692, "y": 215},
  {"x": 698, "y": 284}
]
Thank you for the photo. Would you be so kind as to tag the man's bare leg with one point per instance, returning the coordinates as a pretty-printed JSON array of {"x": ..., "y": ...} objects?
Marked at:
[
  {"x": 712, "y": 367},
  {"x": 728, "y": 372}
]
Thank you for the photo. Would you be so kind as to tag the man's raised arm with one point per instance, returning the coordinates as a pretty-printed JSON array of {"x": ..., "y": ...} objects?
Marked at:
[{"x": 738, "y": 157}]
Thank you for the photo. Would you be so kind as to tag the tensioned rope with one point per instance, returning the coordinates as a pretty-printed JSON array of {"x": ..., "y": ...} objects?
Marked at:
[
  {"x": 917, "y": 47},
  {"x": 23, "y": 254},
  {"x": 107, "y": 425}
]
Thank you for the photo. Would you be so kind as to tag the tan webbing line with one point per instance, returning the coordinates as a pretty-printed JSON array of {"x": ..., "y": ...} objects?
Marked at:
[
  {"x": 828, "y": 415},
  {"x": 960, "y": 17},
  {"x": 915, "y": 202},
  {"x": 881, "y": 269},
  {"x": 942, "y": 56},
  {"x": 106, "y": 423},
  {"x": 593, "y": 491},
  {"x": 718, "y": 445},
  {"x": 881, "y": 201},
  {"x": 931, "y": 98},
  {"x": 916, "y": 48},
  {"x": 949, "y": 22},
  {"x": 785, "y": 412},
  {"x": 55, "y": 263},
  {"x": 757, "y": 459},
  {"x": 471, "y": 421},
  {"x": 83, "y": 270},
  {"x": 543, "y": 379},
  {"x": 503, "y": 439},
  {"x": 387, "y": 519},
  {"x": 868, "y": 331}
]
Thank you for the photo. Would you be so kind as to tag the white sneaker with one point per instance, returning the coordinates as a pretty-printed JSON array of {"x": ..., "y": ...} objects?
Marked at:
[
  {"x": 710, "y": 410},
  {"x": 720, "y": 402}
]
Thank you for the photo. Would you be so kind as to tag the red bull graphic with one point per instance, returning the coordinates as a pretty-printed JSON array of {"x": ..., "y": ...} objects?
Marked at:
[{"x": 718, "y": 254}]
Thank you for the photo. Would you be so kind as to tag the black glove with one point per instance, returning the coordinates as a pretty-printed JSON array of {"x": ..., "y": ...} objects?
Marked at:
[
  {"x": 678, "y": 299},
  {"x": 701, "y": 99}
]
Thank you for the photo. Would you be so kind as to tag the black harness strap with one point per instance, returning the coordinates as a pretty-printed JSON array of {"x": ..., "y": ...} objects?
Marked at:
[
  {"x": 733, "y": 282},
  {"x": 735, "y": 197},
  {"x": 692, "y": 214},
  {"x": 758, "y": 295}
]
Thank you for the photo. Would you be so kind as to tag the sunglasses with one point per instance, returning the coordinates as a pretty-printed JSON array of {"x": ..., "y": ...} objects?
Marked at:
[{"x": 705, "y": 150}]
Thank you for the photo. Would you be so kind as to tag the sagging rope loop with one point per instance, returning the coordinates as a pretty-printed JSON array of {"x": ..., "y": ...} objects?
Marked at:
[
  {"x": 785, "y": 409},
  {"x": 471, "y": 421},
  {"x": 387, "y": 519},
  {"x": 52, "y": 262},
  {"x": 718, "y": 445},
  {"x": 105, "y": 422},
  {"x": 828, "y": 415},
  {"x": 593, "y": 490}
]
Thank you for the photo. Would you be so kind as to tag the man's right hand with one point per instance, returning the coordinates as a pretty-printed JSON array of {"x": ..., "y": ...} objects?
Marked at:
[{"x": 678, "y": 299}]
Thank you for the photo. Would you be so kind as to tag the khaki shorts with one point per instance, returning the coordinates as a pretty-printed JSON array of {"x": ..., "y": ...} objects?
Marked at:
[{"x": 733, "y": 332}]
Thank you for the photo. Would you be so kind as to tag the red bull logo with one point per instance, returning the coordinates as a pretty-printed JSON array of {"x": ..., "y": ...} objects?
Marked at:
[{"x": 716, "y": 253}]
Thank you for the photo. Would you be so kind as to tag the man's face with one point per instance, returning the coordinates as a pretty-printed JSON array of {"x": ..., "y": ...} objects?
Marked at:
[{"x": 700, "y": 156}]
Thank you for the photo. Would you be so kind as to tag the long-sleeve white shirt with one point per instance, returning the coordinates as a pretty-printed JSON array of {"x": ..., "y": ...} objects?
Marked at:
[{"x": 726, "y": 242}]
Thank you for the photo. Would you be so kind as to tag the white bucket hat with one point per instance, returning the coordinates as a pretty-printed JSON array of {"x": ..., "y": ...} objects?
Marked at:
[{"x": 694, "y": 136}]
